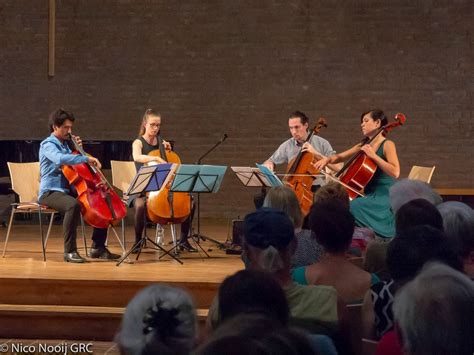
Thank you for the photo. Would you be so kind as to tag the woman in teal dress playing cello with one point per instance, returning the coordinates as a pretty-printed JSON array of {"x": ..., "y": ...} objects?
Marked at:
[{"x": 373, "y": 210}]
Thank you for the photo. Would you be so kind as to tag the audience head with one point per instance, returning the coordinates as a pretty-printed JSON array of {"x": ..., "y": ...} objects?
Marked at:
[
  {"x": 160, "y": 319},
  {"x": 284, "y": 199},
  {"x": 458, "y": 221},
  {"x": 269, "y": 240},
  {"x": 434, "y": 312},
  {"x": 333, "y": 225},
  {"x": 251, "y": 291},
  {"x": 255, "y": 334},
  {"x": 410, "y": 250},
  {"x": 330, "y": 192},
  {"x": 417, "y": 212},
  {"x": 405, "y": 190}
]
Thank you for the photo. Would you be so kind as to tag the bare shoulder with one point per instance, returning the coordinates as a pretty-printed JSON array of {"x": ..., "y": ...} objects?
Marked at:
[{"x": 137, "y": 143}]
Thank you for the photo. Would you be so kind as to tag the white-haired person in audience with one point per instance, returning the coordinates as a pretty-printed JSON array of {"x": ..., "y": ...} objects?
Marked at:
[
  {"x": 308, "y": 250},
  {"x": 407, "y": 253},
  {"x": 434, "y": 314},
  {"x": 269, "y": 242},
  {"x": 160, "y": 319},
  {"x": 458, "y": 221}
]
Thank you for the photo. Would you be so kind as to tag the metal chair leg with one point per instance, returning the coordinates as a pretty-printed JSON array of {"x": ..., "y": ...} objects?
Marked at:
[
  {"x": 118, "y": 238},
  {"x": 83, "y": 229},
  {"x": 8, "y": 231},
  {"x": 49, "y": 228},
  {"x": 123, "y": 234},
  {"x": 40, "y": 217}
]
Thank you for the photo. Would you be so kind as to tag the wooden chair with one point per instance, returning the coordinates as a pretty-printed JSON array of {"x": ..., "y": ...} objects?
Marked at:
[
  {"x": 422, "y": 173},
  {"x": 25, "y": 180}
]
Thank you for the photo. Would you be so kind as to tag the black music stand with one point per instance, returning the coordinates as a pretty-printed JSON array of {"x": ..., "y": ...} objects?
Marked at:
[
  {"x": 149, "y": 179},
  {"x": 198, "y": 179}
]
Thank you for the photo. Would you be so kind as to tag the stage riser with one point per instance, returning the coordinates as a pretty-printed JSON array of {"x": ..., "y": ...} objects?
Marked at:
[
  {"x": 91, "y": 292},
  {"x": 63, "y": 325}
]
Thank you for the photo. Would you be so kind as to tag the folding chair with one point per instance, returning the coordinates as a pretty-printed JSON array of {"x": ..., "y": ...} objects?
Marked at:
[{"x": 422, "y": 173}]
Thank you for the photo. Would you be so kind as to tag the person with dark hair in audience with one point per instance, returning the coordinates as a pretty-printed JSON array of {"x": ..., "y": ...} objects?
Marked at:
[
  {"x": 333, "y": 226},
  {"x": 269, "y": 244},
  {"x": 256, "y": 333},
  {"x": 55, "y": 191},
  {"x": 458, "y": 221},
  {"x": 415, "y": 212},
  {"x": 308, "y": 250},
  {"x": 252, "y": 291},
  {"x": 407, "y": 253},
  {"x": 160, "y": 319},
  {"x": 434, "y": 314}
]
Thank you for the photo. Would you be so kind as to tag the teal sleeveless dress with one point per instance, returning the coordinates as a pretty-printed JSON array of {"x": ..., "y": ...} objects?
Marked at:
[{"x": 374, "y": 210}]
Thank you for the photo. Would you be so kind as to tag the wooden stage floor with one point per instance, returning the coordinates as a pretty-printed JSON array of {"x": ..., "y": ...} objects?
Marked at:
[
  {"x": 24, "y": 258},
  {"x": 47, "y": 295}
]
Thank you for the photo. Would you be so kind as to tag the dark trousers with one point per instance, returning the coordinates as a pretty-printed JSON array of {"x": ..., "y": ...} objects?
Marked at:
[
  {"x": 139, "y": 205},
  {"x": 71, "y": 209}
]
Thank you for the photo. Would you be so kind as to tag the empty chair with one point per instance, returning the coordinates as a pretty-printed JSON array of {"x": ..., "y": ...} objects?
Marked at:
[{"x": 422, "y": 173}]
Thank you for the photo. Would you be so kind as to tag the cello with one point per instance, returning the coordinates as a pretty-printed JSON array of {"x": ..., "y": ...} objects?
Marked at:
[
  {"x": 164, "y": 206},
  {"x": 360, "y": 169},
  {"x": 100, "y": 204},
  {"x": 300, "y": 173}
]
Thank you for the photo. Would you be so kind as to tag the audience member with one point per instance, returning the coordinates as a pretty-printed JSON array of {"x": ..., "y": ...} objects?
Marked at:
[
  {"x": 308, "y": 250},
  {"x": 401, "y": 192},
  {"x": 160, "y": 319},
  {"x": 333, "y": 226},
  {"x": 251, "y": 291},
  {"x": 458, "y": 221},
  {"x": 406, "y": 255},
  {"x": 269, "y": 244},
  {"x": 435, "y": 312}
]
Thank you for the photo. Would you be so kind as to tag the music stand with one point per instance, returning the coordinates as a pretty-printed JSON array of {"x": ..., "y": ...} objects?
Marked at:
[
  {"x": 149, "y": 179},
  {"x": 199, "y": 179},
  {"x": 254, "y": 177}
]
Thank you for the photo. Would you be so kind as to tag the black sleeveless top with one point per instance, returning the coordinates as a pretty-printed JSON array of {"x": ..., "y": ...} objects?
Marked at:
[{"x": 147, "y": 148}]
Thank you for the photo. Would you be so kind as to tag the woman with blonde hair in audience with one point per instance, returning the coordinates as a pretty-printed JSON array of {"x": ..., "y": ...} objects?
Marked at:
[{"x": 308, "y": 250}]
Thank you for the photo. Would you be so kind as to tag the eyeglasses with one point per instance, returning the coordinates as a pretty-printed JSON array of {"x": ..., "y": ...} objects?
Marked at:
[{"x": 154, "y": 125}]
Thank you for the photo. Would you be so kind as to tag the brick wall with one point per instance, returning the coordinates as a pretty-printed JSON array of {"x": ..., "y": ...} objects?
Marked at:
[{"x": 239, "y": 67}]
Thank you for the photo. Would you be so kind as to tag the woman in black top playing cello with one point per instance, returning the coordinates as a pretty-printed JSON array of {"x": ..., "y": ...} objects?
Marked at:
[{"x": 146, "y": 142}]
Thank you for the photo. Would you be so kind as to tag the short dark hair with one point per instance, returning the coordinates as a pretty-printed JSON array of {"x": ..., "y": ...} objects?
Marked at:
[
  {"x": 332, "y": 224},
  {"x": 298, "y": 114},
  {"x": 417, "y": 212},
  {"x": 410, "y": 250},
  {"x": 251, "y": 291},
  {"x": 58, "y": 117}
]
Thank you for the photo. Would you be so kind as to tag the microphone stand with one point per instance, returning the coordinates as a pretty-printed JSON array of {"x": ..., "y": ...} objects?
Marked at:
[{"x": 198, "y": 235}]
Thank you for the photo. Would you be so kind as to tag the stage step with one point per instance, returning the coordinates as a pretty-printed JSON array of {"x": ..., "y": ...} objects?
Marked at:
[
  {"x": 64, "y": 322},
  {"x": 93, "y": 293}
]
